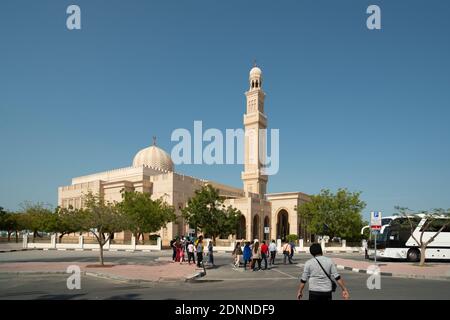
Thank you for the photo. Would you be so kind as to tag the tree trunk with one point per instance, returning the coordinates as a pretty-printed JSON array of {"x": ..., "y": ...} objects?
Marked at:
[
  {"x": 422, "y": 255},
  {"x": 9, "y": 236},
  {"x": 17, "y": 236},
  {"x": 101, "y": 253}
]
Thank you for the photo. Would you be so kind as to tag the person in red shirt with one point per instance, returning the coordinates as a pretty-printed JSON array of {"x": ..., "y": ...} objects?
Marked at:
[{"x": 264, "y": 253}]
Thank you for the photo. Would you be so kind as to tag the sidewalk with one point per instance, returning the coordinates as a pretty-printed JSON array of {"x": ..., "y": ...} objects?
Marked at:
[
  {"x": 160, "y": 271},
  {"x": 431, "y": 270},
  {"x": 10, "y": 246}
]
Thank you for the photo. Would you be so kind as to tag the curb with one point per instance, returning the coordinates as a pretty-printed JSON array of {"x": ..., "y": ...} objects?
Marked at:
[
  {"x": 36, "y": 272},
  {"x": 343, "y": 251},
  {"x": 114, "y": 277},
  {"x": 14, "y": 250},
  {"x": 195, "y": 276},
  {"x": 139, "y": 281},
  {"x": 394, "y": 275},
  {"x": 110, "y": 276},
  {"x": 332, "y": 251}
]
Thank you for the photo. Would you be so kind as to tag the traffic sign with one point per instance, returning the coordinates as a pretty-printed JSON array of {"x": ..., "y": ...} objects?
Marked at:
[
  {"x": 375, "y": 220},
  {"x": 266, "y": 229}
]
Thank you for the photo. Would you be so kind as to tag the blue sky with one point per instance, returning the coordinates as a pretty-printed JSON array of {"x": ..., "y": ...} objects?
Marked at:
[{"x": 366, "y": 110}]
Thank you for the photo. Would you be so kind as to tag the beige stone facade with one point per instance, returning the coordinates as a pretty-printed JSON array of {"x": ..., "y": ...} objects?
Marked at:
[{"x": 153, "y": 172}]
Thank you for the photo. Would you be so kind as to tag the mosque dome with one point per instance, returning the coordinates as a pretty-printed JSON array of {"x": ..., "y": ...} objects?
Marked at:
[
  {"x": 153, "y": 157},
  {"x": 255, "y": 72}
]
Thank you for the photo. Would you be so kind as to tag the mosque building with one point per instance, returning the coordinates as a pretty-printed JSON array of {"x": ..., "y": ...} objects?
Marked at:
[{"x": 264, "y": 215}]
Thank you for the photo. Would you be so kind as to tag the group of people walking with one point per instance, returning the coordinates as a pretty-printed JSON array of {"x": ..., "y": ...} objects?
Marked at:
[
  {"x": 253, "y": 254},
  {"x": 319, "y": 271},
  {"x": 193, "y": 248},
  {"x": 321, "y": 283}
]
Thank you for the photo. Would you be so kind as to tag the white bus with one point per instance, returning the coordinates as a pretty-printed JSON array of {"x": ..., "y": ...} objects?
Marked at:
[{"x": 395, "y": 241}]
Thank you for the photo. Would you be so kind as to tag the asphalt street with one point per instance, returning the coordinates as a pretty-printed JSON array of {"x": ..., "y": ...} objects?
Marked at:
[{"x": 221, "y": 283}]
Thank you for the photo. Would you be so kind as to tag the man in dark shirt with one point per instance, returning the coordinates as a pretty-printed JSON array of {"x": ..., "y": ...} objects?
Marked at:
[{"x": 174, "y": 249}]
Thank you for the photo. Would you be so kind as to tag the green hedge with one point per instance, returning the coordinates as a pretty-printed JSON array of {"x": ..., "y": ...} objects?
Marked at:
[{"x": 291, "y": 237}]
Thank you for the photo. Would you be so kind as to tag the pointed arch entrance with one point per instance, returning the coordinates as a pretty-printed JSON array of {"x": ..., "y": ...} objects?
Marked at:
[
  {"x": 266, "y": 225},
  {"x": 256, "y": 228},
  {"x": 282, "y": 224},
  {"x": 242, "y": 228}
]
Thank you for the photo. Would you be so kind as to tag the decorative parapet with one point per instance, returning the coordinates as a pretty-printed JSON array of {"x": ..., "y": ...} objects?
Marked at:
[
  {"x": 183, "y": 177},
  {"x": 288, "y": 196},
  {"x": 95, "y": 184},
  {"x": 117, "y": 173}
]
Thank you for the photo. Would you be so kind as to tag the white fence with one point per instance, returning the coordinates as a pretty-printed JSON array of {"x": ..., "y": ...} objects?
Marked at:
[
  {"x": 80, "y": 246},
  {"x": 342, "y": 248}
]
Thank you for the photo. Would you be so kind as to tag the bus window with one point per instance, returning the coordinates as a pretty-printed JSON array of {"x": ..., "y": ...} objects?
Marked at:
[
  {"x": 436, "y": 225},
  {"x": 394, "y": 236}
]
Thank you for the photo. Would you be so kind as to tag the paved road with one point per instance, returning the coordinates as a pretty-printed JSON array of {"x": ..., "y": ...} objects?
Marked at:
[{"x": 220, "y": 283}]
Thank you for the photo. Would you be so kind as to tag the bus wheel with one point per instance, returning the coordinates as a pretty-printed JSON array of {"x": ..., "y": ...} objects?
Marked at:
[{"x": 413, "y": 255}]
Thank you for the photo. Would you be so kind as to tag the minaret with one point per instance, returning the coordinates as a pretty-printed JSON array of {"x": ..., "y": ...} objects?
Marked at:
[{"x": 255, "y": 145}]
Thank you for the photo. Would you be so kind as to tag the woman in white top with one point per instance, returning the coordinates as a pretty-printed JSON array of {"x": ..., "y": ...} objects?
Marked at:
[
  {"x": 256, "y": 256},
  {"x": 273, "y": 252}
]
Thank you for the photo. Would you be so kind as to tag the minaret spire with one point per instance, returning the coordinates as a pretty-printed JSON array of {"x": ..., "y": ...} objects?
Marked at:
[
  {"x": 154, "y": 140},
  {"x": 254, "y": 179}
]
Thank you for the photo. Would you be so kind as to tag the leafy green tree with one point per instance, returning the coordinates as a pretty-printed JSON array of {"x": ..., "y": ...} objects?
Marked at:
[
  {"x": 9, "y": 222},
  {"x": 144, "y": 215},
  {"x": 335, "y": 215},
  {"x": 291, "y": 237},
  {"x": 207, "y": 213},
  {"x": 13, "y": 225},
  {"x": 102, "y": 218},
  {"x": 37, "y": 217},
  {"x": 68, "y": 220},
  {"x": 3, "y": 218},
  {"x": 229, "y": 221}
]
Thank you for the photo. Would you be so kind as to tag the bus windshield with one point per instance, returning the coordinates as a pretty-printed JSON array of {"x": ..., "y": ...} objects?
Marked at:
[{"x": 381, "y": 239}]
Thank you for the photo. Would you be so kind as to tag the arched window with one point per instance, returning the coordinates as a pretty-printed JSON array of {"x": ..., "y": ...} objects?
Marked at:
[
  {"x": 256, "y": 83},
  {"x": 253, "y": 84},
  {"x": 282, "y": 224}
]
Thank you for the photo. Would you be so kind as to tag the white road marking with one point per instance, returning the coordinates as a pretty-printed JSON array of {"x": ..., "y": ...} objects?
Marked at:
[{"x": 286, "y": 274}]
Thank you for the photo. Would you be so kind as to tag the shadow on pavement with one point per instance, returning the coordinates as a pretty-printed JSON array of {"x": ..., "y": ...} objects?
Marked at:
[
  {"x": 129, "y": 296},
  {"x": 60, "y": 296}
]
